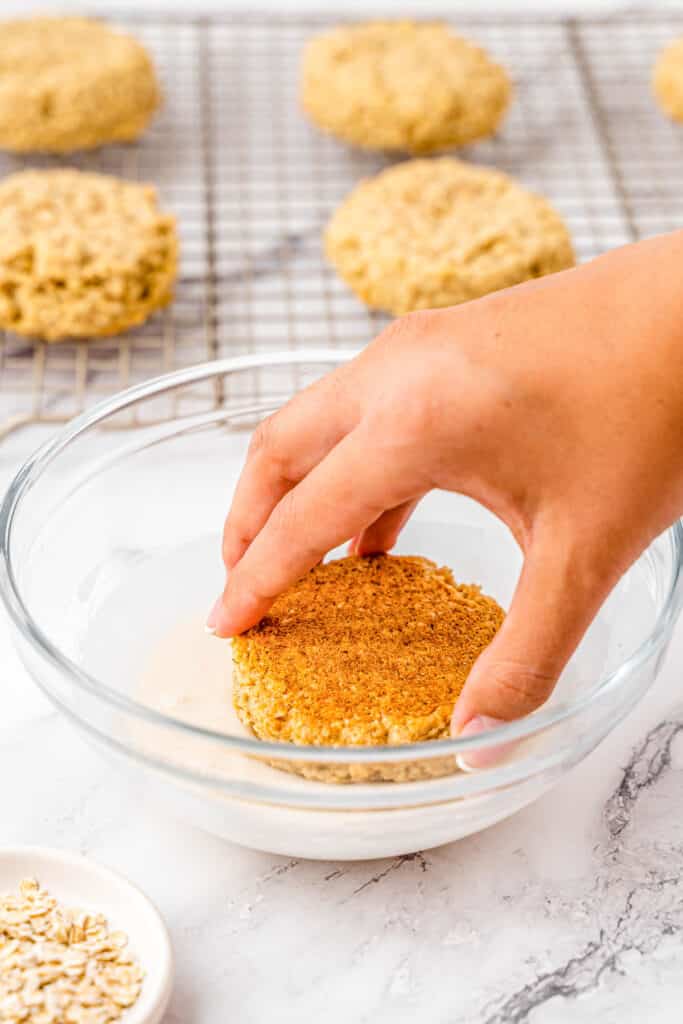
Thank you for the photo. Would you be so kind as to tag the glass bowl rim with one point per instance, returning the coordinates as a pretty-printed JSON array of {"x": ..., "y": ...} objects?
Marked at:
[{"x": 23, "y": 621}]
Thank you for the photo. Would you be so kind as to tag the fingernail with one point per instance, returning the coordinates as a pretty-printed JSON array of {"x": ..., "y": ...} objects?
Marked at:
[
  {"x": 480, "y": 723},
  {"x": 213, "y": 617},
  {"x": 478, "y": 759},
  {"x": 353, "y": 546}
]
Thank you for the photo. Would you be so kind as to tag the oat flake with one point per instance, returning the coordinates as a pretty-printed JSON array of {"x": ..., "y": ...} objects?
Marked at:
[{"x": 59, "y": 965}]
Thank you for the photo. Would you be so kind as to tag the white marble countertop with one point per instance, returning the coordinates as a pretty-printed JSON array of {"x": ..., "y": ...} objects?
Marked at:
[{"x": 570, "y": 911}]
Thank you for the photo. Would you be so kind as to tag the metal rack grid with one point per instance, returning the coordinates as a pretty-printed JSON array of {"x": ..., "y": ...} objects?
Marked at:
[
  {"x": 252, "y": 184},
  {"x": 645, "y": 147}
]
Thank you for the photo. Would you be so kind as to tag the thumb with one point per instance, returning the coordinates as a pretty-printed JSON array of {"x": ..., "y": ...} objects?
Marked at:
[{"x": 554, "y": 602}]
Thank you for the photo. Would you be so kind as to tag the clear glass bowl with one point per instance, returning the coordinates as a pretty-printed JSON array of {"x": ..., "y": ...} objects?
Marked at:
[{"x": 110, "y": 548}]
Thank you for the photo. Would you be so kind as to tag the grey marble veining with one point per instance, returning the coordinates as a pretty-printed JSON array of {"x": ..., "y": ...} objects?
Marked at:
[{"x": 641, "y": 899}]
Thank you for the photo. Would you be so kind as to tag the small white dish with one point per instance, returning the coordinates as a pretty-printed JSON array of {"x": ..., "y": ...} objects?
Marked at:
[{"x": 78, "y": 882}]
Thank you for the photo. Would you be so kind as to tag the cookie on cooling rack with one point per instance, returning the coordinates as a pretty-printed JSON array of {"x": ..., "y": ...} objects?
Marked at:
[
  {"x": 430, "y": 233},
  {"x": 81, "y": 255},
  {"x": 667, "y": 80},
  {"x": 72, "y": 83},
  {"x": 402, "y": 85},
  {"x": 363, "y": 651}
]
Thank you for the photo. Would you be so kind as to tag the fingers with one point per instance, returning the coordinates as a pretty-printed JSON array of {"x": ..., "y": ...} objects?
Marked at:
[
  {"x": 289, "y": 444},
  {"x": 384, "y": 532},
  {"x": 283, "y": 449},
  {"x": 338, "y": 499},
  {"x": 552, "y": 607}
]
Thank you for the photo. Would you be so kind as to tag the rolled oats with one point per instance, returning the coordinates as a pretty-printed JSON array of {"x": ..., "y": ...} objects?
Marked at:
[{"x": 59, "y": 965}]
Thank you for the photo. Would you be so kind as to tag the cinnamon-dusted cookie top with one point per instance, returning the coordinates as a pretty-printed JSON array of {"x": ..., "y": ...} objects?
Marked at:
[
  {"x": 81, "y": 255},
  {"x": 362, "y": 651},
  {"x": 402, "y": 85},
  {"x": 72, "y": 83}
]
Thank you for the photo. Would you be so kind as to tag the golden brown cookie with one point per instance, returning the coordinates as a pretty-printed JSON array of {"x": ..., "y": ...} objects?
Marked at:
[
  {"x": 402, "y": 85},
  {"x": 81, "y": 255},
  {"x": 429, "y": 233},
  {"x": 667, "y": 80},
  {"x": 71, "y": 83},
  {"x": 363, "y": 651}
]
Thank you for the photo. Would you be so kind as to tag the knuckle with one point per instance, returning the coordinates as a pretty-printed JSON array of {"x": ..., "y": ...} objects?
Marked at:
[
  {"x": 249, "y": 580},
  {"x": 293, "y": 535},
  {"x": 235, "y": 543},
  {"x": 263, "y": 438},
  {"x": 288, "y": 519},
  {"x": 268, "y": 444},
  {"x": 408, "y": 326},
  {"x": 405, "y": 418},
  {"x": 520, "y": 687}
]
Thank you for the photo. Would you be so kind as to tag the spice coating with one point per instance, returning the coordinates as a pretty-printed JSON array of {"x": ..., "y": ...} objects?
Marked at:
[{"x": 362, "y": 651}]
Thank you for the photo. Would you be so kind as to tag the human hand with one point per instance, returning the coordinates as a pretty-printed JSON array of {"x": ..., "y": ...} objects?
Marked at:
[{"x": 557, "y": 404}]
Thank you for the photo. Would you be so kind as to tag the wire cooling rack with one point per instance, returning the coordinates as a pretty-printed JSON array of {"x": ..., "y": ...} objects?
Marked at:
[{"x": 252, "y": 185}]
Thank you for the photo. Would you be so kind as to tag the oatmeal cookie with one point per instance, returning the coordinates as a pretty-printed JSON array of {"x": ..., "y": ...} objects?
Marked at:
[
  {"x": 81, "y": 255},
  {"x": 429, "y": 233},
  {"x": 71, "y": 83},
  {"x": 363, "y": 651},
  {"x": 402, "y": 85},
  {"x": 667, "y": 80}
]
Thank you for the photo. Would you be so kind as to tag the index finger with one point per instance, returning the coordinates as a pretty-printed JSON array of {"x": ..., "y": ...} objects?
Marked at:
[
  {"x": 284, "y": 448},
  {"x": 338, "y": 499}
]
